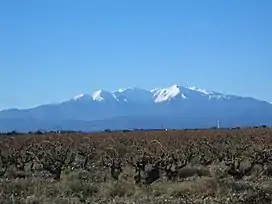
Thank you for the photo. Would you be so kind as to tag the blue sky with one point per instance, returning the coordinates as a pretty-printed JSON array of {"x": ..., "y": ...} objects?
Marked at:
[{"x": 52, "y": 50}]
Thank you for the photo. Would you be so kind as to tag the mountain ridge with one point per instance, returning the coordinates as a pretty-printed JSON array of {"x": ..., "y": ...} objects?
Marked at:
[
  {"x": 177, "y": 106},
  {"x": 166, "y": 93}
]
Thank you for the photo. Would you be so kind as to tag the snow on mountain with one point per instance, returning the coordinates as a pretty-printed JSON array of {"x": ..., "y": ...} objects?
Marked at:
[
  {"x": 157, "y": 95},
  {"x": 207, "y": 94},
  {"x": 81, "y": 97},
  {"x": 134, "y": 95},
  {"x": 99, "y": 95},
  {"x": 78, "y": 97},
  {"x": 203, "y": 91},
  {"x": 165, "y": 94},
  {"x": 109, "y": 96}
]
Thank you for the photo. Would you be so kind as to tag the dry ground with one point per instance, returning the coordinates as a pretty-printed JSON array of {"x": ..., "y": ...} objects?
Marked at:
[{"x": 188, "y": 166}]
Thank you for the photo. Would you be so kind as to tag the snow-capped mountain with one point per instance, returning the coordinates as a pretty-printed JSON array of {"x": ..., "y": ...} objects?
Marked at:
[
  {"x": 165, "y": 94},
  {"x": 157, "y": 95},
  {"x": 174, "y": 106}
]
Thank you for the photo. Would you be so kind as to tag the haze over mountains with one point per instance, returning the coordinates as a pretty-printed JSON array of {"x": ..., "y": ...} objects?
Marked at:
[{"x": 173, "y": 107}]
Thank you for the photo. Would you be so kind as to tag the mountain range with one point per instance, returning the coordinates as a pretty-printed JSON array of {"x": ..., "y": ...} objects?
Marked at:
[{"x": 171, "y": 107}]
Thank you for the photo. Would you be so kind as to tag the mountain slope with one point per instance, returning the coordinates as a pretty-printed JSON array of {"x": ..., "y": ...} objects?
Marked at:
[{"x": 174, "y": 106}]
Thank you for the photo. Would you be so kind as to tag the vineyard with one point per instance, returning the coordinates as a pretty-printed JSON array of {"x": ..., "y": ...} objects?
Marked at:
[{"x": 181, "y": 166}]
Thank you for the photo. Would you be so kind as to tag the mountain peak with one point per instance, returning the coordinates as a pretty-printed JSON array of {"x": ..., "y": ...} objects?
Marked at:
[
  {"x": 165, "y": 94},
  {"x": 97, "y": 95},
  {"x": 82, "y": 97},
  {"x": 101, "y": 95},
  {"x": 174, "y": 86},
  {"x": 134, "y": 94}
]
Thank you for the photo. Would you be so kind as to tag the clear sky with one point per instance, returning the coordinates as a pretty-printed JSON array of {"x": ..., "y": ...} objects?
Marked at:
[{"x": 52, "y": 50}]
